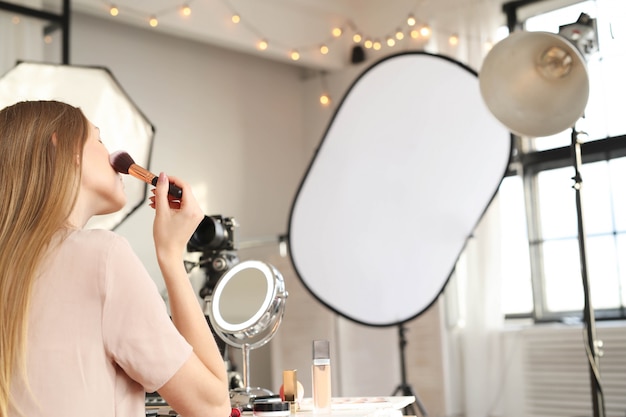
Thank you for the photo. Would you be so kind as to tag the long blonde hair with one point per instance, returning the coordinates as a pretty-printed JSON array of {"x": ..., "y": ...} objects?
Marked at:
[{"x": 39, "y": 176}]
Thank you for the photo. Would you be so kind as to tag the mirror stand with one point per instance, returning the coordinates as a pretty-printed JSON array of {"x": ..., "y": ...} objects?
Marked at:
[{"x": 244, "y": 396}]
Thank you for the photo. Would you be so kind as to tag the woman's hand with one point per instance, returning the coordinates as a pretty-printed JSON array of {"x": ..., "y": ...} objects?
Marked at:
[{"x": 175, "y": 219}]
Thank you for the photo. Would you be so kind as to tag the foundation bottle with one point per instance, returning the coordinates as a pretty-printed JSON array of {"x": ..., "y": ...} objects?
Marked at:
[{"x": 320, "y": 371}]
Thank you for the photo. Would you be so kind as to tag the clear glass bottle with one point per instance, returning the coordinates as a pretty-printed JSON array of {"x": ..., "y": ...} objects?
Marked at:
[{"x": 320, "y": 371}]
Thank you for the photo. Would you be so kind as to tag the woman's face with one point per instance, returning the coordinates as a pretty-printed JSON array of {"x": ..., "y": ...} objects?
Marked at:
[{"x": 101, "y": 185}]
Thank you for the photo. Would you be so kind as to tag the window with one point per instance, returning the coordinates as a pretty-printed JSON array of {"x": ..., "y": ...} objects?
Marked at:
[{"x": 541, "y": 265}]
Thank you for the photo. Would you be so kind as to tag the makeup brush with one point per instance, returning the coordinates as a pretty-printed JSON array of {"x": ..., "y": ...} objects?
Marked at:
[{"x": 123, "y": 163}]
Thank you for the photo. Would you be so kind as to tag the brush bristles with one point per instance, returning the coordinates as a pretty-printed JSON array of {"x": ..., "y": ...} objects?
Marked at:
[{"x": 121, "y": 161}]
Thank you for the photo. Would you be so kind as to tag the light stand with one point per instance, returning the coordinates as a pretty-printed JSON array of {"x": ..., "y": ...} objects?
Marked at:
[
  {"x": 597, "y": 397},
  {"x": 404, "y": 388}
]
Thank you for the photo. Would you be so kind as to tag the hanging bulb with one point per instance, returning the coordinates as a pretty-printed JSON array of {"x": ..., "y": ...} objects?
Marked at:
[
  {"x": 453, "y": 40},
  {"x": 337, "y": 32},
  {"x": 262, "y": 45},
  {"x": 325, "y": 99},
  {"x": 425, "y": 31},
  {"x": 236, "y": 18},
  {"x": 294, "y": 55},
  {"x": 411, "y": 20},
  {"x": 391, "y": 41},
  {"x": 377, "y": 45},
  {"x": 154, "y": 22},
  {"x": 415, "y": 34},
  {"x": 324, "y": 49},
  {"x": 357, "y": 38},
  {"x": 113, "y": 10},
  {"x": 185, "y": 10},
  {"x": 368, "y": 44},
  {"x": 399, "y": 34}
]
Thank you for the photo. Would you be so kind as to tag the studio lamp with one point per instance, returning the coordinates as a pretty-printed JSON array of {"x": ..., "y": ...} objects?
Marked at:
[
  {"x": 103, "y": 101},
  {"x": 537, "y": 84}
]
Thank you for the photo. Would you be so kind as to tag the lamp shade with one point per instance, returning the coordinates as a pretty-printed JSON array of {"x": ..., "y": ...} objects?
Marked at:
[
  {"x": 535, "y": 83},
  {"x": 106, "y": 105}
]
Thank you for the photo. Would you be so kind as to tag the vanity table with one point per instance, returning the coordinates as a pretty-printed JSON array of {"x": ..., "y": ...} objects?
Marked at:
[{"x": 341, "y": 407}]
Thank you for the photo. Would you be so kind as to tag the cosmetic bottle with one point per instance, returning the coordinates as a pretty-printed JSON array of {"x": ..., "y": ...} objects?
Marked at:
[{"x": 320, "y": 371}]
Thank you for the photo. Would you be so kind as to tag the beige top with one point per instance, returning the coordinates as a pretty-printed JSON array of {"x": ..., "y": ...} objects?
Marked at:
[{"x": 99, "y": 334}]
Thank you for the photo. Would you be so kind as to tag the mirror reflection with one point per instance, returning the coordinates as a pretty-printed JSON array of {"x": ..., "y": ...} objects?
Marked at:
[{"x": 243, "y": 295}]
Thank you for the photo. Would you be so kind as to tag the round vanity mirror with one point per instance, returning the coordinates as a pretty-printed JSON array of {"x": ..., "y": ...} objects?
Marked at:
[{"x": 245, "y": 310}]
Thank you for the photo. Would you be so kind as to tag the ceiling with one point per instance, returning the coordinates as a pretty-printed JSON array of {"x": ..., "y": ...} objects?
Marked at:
[{"x": 287, "y": 25}]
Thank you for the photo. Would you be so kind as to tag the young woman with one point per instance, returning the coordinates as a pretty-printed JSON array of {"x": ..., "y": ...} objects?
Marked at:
[{"x": 83, "y": 329}]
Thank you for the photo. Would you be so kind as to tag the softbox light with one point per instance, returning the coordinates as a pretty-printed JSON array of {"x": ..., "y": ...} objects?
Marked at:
[
  {"x": 406, "y": 169},
  {"x": 106, "y": 105}
]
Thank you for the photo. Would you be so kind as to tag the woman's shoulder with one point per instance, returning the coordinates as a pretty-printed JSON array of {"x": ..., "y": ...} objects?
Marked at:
[{"x": 86, "y": 240}]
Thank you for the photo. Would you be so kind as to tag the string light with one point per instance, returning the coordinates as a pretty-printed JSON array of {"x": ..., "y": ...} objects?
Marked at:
[
  {"x": 325, "y": 99},
  {"x": 408, "y": 29},
  {"x": 262, "y": 45}
]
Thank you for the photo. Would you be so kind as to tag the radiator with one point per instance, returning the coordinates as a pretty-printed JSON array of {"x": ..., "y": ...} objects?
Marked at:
[{"x": 556, "y": 371}]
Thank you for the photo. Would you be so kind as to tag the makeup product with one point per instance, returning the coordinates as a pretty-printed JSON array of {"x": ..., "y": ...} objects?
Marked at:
[
  {"x": 320, "y": 371},
  {"x": 271, "y": 408},
  {"x": 290, "y": 388},
  {"x": 123, "y": 163}
]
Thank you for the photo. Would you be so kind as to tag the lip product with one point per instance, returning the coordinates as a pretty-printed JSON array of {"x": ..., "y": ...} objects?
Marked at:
[
  {"x": 320, "y": 371},
  {"x": 290, "y": 388}
]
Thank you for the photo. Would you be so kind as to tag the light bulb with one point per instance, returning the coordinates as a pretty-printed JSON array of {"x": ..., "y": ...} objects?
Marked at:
[
  {"x": 294, "y": 55},
  {"x": 376, "y": 45},
  {"x": 555, "y": 63},
  {"x": 356, "y": 38},
  {"x": 114, "y": 11},
  {"x": 425, "y": 31},
  {"x": 325, "y": 99},
  {"x": 368, "y": 43},
  {"x": 391, "y": 42},
  {"x": 185, "y": 10},
  {"x": 411, "y": 20},
  {"x": 453, "y": 40},
  {"x": 153, "y": 21},
  {"x": 323, "y": 49},
  {"x": 236, "y": 18},
  {"x": 415, "y": 34},
  {"x": 399, "y": 35},
  {"x": 337, "y": 32},
  {"x": 262, "y": 45}
]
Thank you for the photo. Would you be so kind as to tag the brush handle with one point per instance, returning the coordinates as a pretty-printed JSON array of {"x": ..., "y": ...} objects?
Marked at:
[{"x": 174, "y": 190}]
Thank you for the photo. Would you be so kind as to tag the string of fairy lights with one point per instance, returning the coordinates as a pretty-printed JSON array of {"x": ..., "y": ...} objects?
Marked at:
[{"x": 408, "y": 29}]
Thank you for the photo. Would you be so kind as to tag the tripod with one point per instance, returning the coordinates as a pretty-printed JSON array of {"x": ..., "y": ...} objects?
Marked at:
[{"x": 404, "y": 388}]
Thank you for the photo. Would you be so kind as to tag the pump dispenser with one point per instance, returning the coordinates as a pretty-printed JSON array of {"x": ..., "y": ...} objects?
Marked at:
[{"x": 320, "y": 371}]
